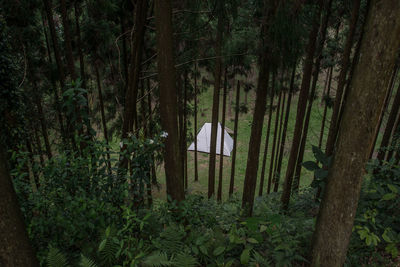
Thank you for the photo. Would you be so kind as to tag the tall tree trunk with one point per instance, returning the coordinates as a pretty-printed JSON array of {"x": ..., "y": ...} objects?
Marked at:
[
  {"x": 53, "y": 83},
  {"x": 150, "y": 123},
  {"x": 385, "y": 105},
  {"x": 326, "y": 96},
  {"x": 271, "y": 175},
  {"x": 284, "y": 131},
  {"x": 221, "y": 153},
  {"x": 184, "y": 141},
  {"x": 167, "y": 85},
  {"x": 389, "y": 125},
  {"x": 264, "y": 160},
  {"x": 345, "y": 62},
  {"x": 54, "y": 39},
  {"x": 103, "y": 116},
  {"x": 360, "y": 119},
  {"x": 250, "y": 179},
  {"x": 235, "y": 129},
  {"x": 215, "y": 108},
  {"x": 130, "y": 113},
  {"x": 196, "y": 170},
  {"x": 77, "y": 10},
  {"x": 301, "y": 107},
  {"x": 394, "y": 141},
  {"x": 317, "y": 66},
  {"x": 278, "y": 143},
  {"x": 67, "y": 39},
  {"x": 15, "y": 248},
  {"x": 39, "y": 150},
  {"x": 44, "y": 127}
]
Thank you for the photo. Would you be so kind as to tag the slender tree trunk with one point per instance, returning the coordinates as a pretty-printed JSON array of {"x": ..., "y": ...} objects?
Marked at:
[
  {"x": 284, "y": 131},
  {"x": 235, "y": 129},
  {"x": 338, "y": 208},
  {"x": 385, "y": 105},
  {"x": 168, "y": 105},
  {"x": 67, "y": 40},
  {"x": 130, "y": 113},
  {"x": 33, "y": 176},
  {"x": 271, "y": 175},
  {"x": 301, "y": 108},
  {"x": 39, "y": 150},
  {"x": 150, "y": 124},
  {"x": 196, "y": 171},
  {"x": 215, "y": 108},
  {"x": 264, "y": 160},
  {"x": 389, "y": 126},
  {"x": 15, "y": 248},
  {"x": 321, "y": 135},
  {"x": 317, "y": 66},
  {"x": 395, "y": 138},
  {"x": 330, "y": 143},
  {"x": 278, "y": 143},
  {"x": 184, "y": 141},
  {"x": 56, "y": 47},
  {"x": 103, "y": 116},
  {"x": 250, "y": 179},
  {"x": 221, "y": 153},
  {"x": 44, "y": 127},
  {"x": 77, "y": 10}
]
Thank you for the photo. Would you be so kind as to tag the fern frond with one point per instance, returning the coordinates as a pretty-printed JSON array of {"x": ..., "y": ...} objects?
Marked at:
[
  {"x": 185, "y": 260},
  {"x": 158, "y": 259},
  {"x": 86, "y": 262},
  {"x": 259, "y": 260},
  {"x": 55, "y": 258}
]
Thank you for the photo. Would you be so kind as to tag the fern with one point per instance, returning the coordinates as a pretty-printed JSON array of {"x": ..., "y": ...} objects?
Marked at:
[
  {"x": 55, "y": 258},
  {"x": 158, "y": 259},
  {"x": 86, "y": 262},
  {"x": 185, "y": 260},
  {"x": 109, "y": 246},
  {"x": 171, "y": 240},
  {"x": 259, "y": 260}
]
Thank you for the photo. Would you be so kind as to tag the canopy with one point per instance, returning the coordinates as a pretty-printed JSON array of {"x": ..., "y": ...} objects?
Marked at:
[{"x": 204, "y": 139}]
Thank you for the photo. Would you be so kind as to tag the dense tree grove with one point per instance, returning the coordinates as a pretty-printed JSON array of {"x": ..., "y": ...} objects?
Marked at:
[{"x": 105, "y": 161}]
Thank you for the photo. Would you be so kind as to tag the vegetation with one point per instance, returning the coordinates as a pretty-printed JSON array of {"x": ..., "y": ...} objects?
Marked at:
[{"x": 99, "y": 101}]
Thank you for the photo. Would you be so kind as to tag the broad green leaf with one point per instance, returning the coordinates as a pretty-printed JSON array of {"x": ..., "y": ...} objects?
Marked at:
[
  {"x": 321, "y": 174},
  {"x": 310, "y": 165},
  {"x": 245, "y": 256},
  {"x": 218, "y": 251},
  {"x": 389, "y": 196},
  {"x": 252, "y": 240}
]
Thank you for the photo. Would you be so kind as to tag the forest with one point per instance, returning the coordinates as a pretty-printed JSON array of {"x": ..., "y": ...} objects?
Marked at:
[{"x": 188, "y": 133}]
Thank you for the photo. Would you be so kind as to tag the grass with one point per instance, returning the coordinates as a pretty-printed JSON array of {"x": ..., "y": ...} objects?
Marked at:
[{"x": 244, "y": 131}]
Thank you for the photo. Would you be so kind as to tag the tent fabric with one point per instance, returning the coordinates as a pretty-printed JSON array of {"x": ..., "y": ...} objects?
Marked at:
[{"x": 204, "y": 140}]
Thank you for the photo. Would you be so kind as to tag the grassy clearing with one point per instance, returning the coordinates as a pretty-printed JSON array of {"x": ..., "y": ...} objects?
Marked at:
[{"x": 244, "y": 130}]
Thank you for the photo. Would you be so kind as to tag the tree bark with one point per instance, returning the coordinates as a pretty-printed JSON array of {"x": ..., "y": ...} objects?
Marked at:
[
  {"x": 389, "y": 126},
  {"x": 44, "y": 127},
  {"x": 284, "y": 131},
  {"x": 168, "y": 104},
  {"x": 130, "y": 113},
  {"x": 103, "y": 116},
  {"x": 235, "y": 129},
  {"x": 221, "y": 153},
  {"x": 330, "y": 143},
  {"x": 250, "y": 179},
  {"x": 264, "y": 160},
  {"x": 15, "y": 248},
  {"x": 360, "y": 119},
  {"x": 215, "y": 108},
  {"x": 196, "y": 170},
  {"x": 317, "y": 66},
  {"x": 67, "y": 39},
  {"x": 301, "y": 108}
]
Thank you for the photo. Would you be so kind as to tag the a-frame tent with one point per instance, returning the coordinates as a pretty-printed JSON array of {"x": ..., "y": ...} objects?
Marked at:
[{"x": 204, "y": 140}]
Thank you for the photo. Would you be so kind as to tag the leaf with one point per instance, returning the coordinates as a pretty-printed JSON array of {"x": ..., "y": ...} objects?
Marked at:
[
  {"x": 245, "y": 256},
  {"x": 263, "y": 228},
  {"x": 389, "y": 196},
  {"x": 392, "y": 188},
  {"x": 320, "y": 156},
  {"x": 218, "y": 251},
  {"x": 310, "y": 165},
  {"x": 252, "y": 240},
  {"x": 392, "y": 249},
  {"x": 321, "y": 174}
]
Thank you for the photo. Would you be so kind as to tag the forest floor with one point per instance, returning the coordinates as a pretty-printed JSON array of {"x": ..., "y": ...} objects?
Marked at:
[{"x": 244, "y": 131}]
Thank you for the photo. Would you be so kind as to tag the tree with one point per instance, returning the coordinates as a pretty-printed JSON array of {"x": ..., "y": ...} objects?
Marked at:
[
  {"x": 215, "y": 107},
  {"x": 250, "y": 179},
  {"x": 221, "y": 152},
  {"x": 168, "y": 104},
  {"x": 301, "y": 107},
  {"x": 345, "y": 62},
  {"x": 235, "y": 129},
  {"x": 360, "y": 119}
]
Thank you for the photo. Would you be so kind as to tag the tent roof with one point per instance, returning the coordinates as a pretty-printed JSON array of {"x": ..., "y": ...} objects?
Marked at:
[{"x": 204, "y": 139}]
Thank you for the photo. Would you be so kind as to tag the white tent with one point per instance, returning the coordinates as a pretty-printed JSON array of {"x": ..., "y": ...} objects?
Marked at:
[{"x": 204, "y": 140}]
